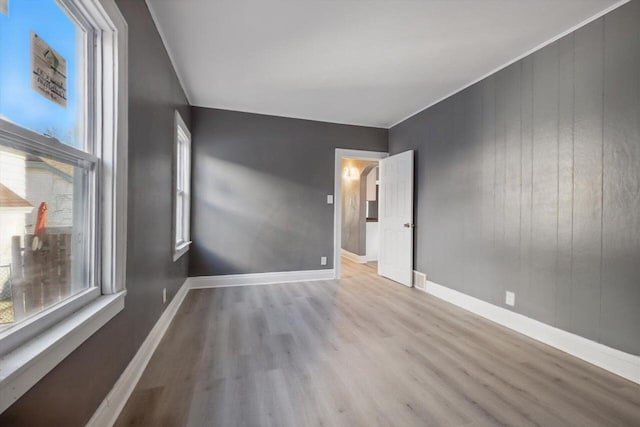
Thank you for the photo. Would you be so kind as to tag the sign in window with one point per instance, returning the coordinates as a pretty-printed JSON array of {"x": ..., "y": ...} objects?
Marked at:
[{"x": 42, "y": 73}]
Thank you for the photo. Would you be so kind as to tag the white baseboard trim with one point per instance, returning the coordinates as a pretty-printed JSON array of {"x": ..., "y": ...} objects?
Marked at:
[
  {"x": 618, "y": 362},
  {"x": 110, "y": 408},
  {"x": 260, "y": 278},
  {"x": 360, "y": 259}
]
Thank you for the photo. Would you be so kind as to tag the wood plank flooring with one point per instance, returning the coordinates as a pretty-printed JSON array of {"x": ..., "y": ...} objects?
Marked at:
[{"x": 363, "y": 351}]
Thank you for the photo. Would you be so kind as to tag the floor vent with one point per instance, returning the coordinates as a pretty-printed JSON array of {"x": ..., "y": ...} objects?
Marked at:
[{"x": 420, "y": 280}]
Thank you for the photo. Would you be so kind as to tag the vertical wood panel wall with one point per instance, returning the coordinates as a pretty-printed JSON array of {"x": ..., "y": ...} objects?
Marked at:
[{"x": 529, "y": 181}]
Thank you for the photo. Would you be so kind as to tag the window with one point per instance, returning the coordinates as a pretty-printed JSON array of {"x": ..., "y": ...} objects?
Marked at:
[
  {"x": 182, "y": 192},
  {"x": 47, "y": 231},
  {"x": 63, "y": 134},
  {"x": 49, "y": 177}
]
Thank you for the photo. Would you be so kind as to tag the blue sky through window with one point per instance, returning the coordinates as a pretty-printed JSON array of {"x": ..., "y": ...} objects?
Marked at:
[{"x": 20, "y": 103}]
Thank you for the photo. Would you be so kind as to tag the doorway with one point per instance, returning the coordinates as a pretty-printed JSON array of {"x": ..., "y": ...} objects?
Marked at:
[
  {"x": 355, "y": 206},
  {"x": 359, "y": 241},
  {"x": 395, "y": 210}
]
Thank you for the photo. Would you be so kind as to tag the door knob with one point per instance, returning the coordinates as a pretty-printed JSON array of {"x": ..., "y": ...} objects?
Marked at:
[{"x": 408, "y": 225}]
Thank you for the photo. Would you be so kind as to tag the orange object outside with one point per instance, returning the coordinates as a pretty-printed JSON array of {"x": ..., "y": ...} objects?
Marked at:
[{"x": 41, "y": 223}]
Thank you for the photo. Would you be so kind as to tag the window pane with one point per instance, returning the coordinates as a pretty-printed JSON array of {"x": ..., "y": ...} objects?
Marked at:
[
  {"x": 185, "y": 219},
  {"x": 179, "y": 212},
  {"x": 180, "y": 167},
  {"x": 41, "y": 77},
  {"x": 43, "y": 233}
]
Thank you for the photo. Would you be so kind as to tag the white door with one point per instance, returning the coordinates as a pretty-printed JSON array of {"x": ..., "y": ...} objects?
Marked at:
[{"x": 395, "y": 218}]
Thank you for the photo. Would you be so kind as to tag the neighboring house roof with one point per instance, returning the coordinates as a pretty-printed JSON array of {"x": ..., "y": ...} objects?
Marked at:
[
  {"x": 62, "y": 167},
  {"x": 63, "y": 170},
  {"x": 9, "y": 199}
]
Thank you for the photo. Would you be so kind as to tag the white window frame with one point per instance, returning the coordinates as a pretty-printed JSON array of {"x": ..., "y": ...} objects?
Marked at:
[
  {"x": 32, "y": 348},
  {"x": 181, "y": 189}
]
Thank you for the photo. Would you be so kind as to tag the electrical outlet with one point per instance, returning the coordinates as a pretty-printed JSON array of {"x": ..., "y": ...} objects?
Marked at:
[
  {"x": 164, "y": 295},
  {"x": 323, "y": 260},
  {"x": 510, "y": 298},
  {"x": 329, "y": 199}
]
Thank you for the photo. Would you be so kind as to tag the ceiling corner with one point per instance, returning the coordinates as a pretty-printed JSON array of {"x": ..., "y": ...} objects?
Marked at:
[{"x": 156, "y": 21}]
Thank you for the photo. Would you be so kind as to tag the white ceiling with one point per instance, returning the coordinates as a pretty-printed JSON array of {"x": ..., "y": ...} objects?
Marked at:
[{"x": 366, "y": 62}]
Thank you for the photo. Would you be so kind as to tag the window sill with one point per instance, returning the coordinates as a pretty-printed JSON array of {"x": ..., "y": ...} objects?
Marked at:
[
  {"x": 180, "y": 250},
  {"x": 23, "y": 367}
]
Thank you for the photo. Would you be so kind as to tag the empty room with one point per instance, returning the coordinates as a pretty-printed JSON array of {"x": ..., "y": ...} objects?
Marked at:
[{"x": 293, "y": 213}]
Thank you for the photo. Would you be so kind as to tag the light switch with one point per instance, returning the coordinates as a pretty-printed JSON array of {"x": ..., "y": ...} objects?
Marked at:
[{"x": 329, "y": 199}]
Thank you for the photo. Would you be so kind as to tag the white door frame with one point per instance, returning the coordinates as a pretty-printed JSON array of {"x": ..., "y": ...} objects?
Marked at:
[{"x": 343, "y": 153}]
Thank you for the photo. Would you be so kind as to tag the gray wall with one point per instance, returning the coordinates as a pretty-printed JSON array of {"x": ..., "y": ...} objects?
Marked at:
[
  {"x": 70, "y": 393},
  {"x": 260, "y": 186},
  {"x": 530, "y": 181}
]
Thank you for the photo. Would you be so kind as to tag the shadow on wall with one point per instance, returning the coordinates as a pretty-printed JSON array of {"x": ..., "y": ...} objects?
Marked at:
[
  {"x": 260, "y": 186},
  {"x": 245, "y": 213}
]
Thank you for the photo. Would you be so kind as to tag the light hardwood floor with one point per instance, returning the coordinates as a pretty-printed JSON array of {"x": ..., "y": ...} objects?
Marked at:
[{"x": 363, "y": 351}]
